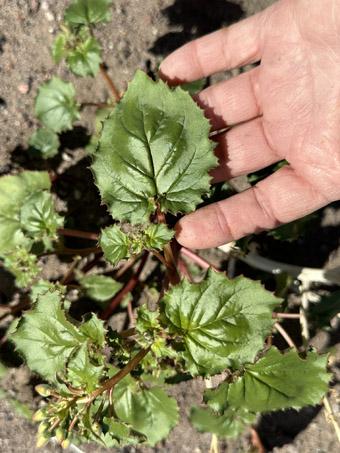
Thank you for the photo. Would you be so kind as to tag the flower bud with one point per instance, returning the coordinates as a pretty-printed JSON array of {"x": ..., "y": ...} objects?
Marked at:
[
  {"x": 42, "y": 440},
  {"x": 66, "y": 442},
  {"x": 43, "y": 389},
  {"x": 41, "y": 414},
  {"x": 43, "y": 427}
]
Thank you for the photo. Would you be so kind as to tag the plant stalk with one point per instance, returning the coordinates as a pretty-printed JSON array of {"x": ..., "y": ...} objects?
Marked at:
[{"x": 110, "y": 83}]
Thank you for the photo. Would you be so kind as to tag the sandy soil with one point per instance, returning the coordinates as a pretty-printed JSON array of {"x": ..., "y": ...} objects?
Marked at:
[{"x": 141, "y": 33}]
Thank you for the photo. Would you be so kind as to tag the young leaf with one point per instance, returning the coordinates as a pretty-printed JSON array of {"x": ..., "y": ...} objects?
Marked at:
[
  {"x": 55, "y": 105},
  {"x": 81, "y": 373},
  {"x": 115, "y": 244},
  {"x": 151, "y": 412},
  {"x": 45, "y": 338},
  {"x": 85, "y": 59},
  {"x": 219, "y": 323},
  {"x": 58, "y": 49},
  {"x": 22, "y": 265},
  {"x": 147, "y": 321},
  {"x": 194, "y": 87},
  {"x": 93, "y": 328},
  {"x": 274, "y": 382},
  {"x": 86, "y": 12},
  {"x": 154, "y": 147},
  {"x": 118, "y": 433},
  {"x": 157, "y": 236},
  {"x": 205, "y": 421},
  {"x": 13, "y": 191},
  {"x": 45, "y": 142},
  {"x": 38, "y": 216},
  {"x": 99, "y": 287}
]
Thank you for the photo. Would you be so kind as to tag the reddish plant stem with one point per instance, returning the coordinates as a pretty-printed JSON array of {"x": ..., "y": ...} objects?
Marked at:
[
  {"x": 287, "y": 315},
  {"x": 110, "y": 83},
  {"x": 184, "y": 269},
  {"x": 256, "y": 441},
  {"x": 160, "y": 257},
  {"x": 22, "y": 304},
  {"x": 84, "y": 269},
  {"x": 198, "y": 260},
  {"x": 67, "y": 251},
  {"x": 78, "y": 234},
  {"x": 126, "y": 266},
  {"x": 129, "y": 287},
  {"x": 69, "y": 271},
  {"x": 128, "y": 332},
  {"x": 285, "y": 335},
  {"x": 130, "y": 313}
]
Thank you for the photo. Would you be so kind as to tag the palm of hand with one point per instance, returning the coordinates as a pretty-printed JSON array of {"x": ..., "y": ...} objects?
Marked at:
[{"x": 288, "y": 107}]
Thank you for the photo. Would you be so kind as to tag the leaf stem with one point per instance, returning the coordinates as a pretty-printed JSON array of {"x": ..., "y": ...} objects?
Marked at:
[
  {"x": 96, "y": 104},
  {"x": 78, "y": 234},
  {"x": 285, "y": 335},
  {"x": 160, "y": 257},
  {"x": 198, "y": 260},
  {"x": 110, "y": 83},
  {"x": 287, "y": 315},
  {"x": 86, "y": 268},
  {"x": 128, "y": 332},
  {"x": 129, "y": 287},
  {"x": 70, "y": 270},
  {"x": 182, "y": 266}
]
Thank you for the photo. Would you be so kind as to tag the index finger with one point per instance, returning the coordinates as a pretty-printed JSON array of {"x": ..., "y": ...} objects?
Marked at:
[{"x": 229, "y": 48}]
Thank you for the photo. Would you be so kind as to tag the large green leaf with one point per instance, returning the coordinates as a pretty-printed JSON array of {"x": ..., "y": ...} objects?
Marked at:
[
  {"x": 99, "y": 287},
  {"x": 55, "y": 105},
  {"x": 38, "y": 216},
  {"x": 44, "y": 142},
  {"x": 151, "y": 412},
  {"x": 83, "y": 12},
  {"x": 154, "y": 149},
  {"x": 85, "y": 59},
  {"x": 274, "y": 382},
  {"x": 45, "y": 338},
  {"x": 13, "y": 191},
  {"x": 81, "y": 372},
  {"x": 219, "y": 323}
]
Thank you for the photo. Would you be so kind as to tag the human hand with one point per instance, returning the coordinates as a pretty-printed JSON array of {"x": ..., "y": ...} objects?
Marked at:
[{"x": 288, "y": 107}]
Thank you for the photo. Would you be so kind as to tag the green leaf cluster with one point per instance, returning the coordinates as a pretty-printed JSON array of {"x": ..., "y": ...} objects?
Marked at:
[
  {"x": 219, "y": 323},
  {"x": 44, "y": 143},
  {"x": 118, "y": 245},
  {"x": 154, "y": 150}
]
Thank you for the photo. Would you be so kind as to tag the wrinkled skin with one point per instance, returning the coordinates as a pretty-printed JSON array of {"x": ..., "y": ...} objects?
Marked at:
[{"x": 287, "y": 107}]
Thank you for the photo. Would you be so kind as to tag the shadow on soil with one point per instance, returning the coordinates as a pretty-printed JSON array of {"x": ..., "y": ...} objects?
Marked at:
[{"x": 195, "y": 18}]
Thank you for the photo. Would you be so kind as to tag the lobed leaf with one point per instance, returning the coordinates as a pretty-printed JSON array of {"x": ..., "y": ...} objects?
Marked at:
[
  {"x": 219, "y": 323},
  {"x": 93, "y": 328},
  {"x": 86, "y": 12},
  {"x": 46, "y": 338},
  {"x": 157, "y": 236},
  {"x": 22, "y": 265},
  {"x": 154, "y": 148},
  {"x": 55, "y": 105},
  {"x": 45, "y": 142},
  {"x": 84, "y": 59},
  {"x": 274, "y": 382},
  {"x": 115, "y": 244}
]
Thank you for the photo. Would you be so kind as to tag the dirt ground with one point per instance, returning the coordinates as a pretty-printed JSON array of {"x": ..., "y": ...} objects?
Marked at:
[{"x": 140, "y": 34}]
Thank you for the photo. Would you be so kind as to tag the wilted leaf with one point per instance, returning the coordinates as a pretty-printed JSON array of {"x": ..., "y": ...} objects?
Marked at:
[
  {"x": 55, "y": 105},
  {"x": 154, "y": 147},
  {"x": 45, "y": 142},
  {"x": 219, "y": 323}
]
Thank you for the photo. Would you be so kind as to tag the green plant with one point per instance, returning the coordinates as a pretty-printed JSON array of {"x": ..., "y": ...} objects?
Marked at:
[{"x": 150, "y": 164}]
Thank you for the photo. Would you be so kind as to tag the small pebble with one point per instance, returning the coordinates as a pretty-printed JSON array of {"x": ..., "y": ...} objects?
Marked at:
[
  {"x": 23, "y": 88},
  {"x": 49, "y": 16}
]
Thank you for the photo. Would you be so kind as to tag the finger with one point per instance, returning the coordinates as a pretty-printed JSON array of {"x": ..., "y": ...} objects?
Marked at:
[
  {"x": 242, "y": 150},
  {"x": 229, "y": 48},
  {"x": 278, "y": 199},
  {"x": 233, "y": 101}
]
